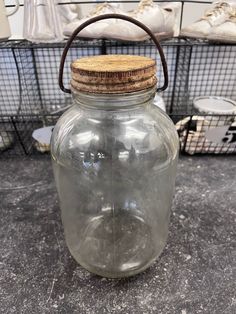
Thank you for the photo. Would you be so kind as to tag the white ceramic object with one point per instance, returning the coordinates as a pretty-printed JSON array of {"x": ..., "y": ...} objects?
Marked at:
[
  {"x": 5, "y": 31},
  {"x": 42, "y": 22},
  {"x": 225, "y": 32},
  {"x": 220, "y": 12},
  {"x": 215, "y": 105},
  {"x": 218, "y": 106},
  {"x": 43, "y": 138},
  {"x": 160, "y": 19},
  {"x": 69, "y": 12},
  {"x": 95, "y": 30},
  {"x": 6, "y": 140}
]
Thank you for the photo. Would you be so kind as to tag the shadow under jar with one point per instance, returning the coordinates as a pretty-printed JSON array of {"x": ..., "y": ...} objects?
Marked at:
[{"x": 114, "y": 157}]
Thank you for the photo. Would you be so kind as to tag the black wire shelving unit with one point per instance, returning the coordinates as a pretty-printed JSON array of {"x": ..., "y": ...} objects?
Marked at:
[{"x": 30, "y": 97}]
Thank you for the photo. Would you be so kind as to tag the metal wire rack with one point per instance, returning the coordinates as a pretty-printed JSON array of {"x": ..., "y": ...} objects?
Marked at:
[{"x": 30, "y": 97}]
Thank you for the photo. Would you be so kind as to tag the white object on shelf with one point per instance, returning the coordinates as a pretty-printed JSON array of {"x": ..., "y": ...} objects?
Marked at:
[
  {"x": 214, "y": 105},
  {"x": 68, "y": 12},
  {"x": 5, "y": 31},
  {"x": 95, "y": 30},
  {"x": 6, "y": 140},
  {"x": 43, "y": 137},
  {"x": 212, "y": 19},
  {"x": 160, "y": 19},
  {"x": 215, "y": 132},
  {"x": 42, "y": 21}
]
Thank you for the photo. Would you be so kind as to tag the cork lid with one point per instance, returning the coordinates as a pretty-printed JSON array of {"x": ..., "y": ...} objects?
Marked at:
[{"x": 113, "y": 74}]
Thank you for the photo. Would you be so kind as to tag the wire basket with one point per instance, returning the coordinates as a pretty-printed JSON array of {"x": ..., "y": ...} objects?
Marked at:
[{"x": 30, "y": 96}]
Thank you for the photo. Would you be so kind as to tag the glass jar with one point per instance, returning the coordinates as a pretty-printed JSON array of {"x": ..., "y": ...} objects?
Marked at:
[
  {"x": 114, "y": 157},
  {"x": 114, "y": 160}
]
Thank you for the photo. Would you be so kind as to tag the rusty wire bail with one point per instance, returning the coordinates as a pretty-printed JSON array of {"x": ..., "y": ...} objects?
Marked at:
[{"x": 112, "y": 16}]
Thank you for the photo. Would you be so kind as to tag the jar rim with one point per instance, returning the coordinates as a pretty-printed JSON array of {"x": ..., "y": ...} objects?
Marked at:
[{"x": 110, "y": 101}]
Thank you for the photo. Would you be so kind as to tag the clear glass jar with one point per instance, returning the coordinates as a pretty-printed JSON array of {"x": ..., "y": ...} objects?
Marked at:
[{"x": 114, "y": 160}]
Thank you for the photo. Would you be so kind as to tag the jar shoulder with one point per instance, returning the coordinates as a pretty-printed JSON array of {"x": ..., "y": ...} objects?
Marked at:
[{"x": 143, "y": 131}]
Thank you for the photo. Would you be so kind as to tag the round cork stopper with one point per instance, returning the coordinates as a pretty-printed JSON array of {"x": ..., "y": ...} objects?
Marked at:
[{"x": 113, "y": 74}]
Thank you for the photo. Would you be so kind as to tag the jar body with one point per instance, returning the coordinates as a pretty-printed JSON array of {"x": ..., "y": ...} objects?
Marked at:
[{"x": 115, "y": 172}]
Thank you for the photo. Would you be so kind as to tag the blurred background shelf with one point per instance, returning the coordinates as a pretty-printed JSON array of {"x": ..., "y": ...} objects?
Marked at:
[{"x": 30, "y": 96}]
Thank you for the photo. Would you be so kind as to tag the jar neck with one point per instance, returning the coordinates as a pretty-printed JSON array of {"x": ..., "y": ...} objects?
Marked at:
[{"x": 114, "y": 101}]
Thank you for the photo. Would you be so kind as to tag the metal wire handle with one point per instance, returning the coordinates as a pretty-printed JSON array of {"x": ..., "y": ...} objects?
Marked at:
[{"x": 112, "y": 16}]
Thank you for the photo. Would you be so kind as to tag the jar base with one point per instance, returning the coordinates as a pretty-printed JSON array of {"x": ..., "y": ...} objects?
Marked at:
[
  {"x": 116, "y": 246},
  {"x": 117, "y": 275}
]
